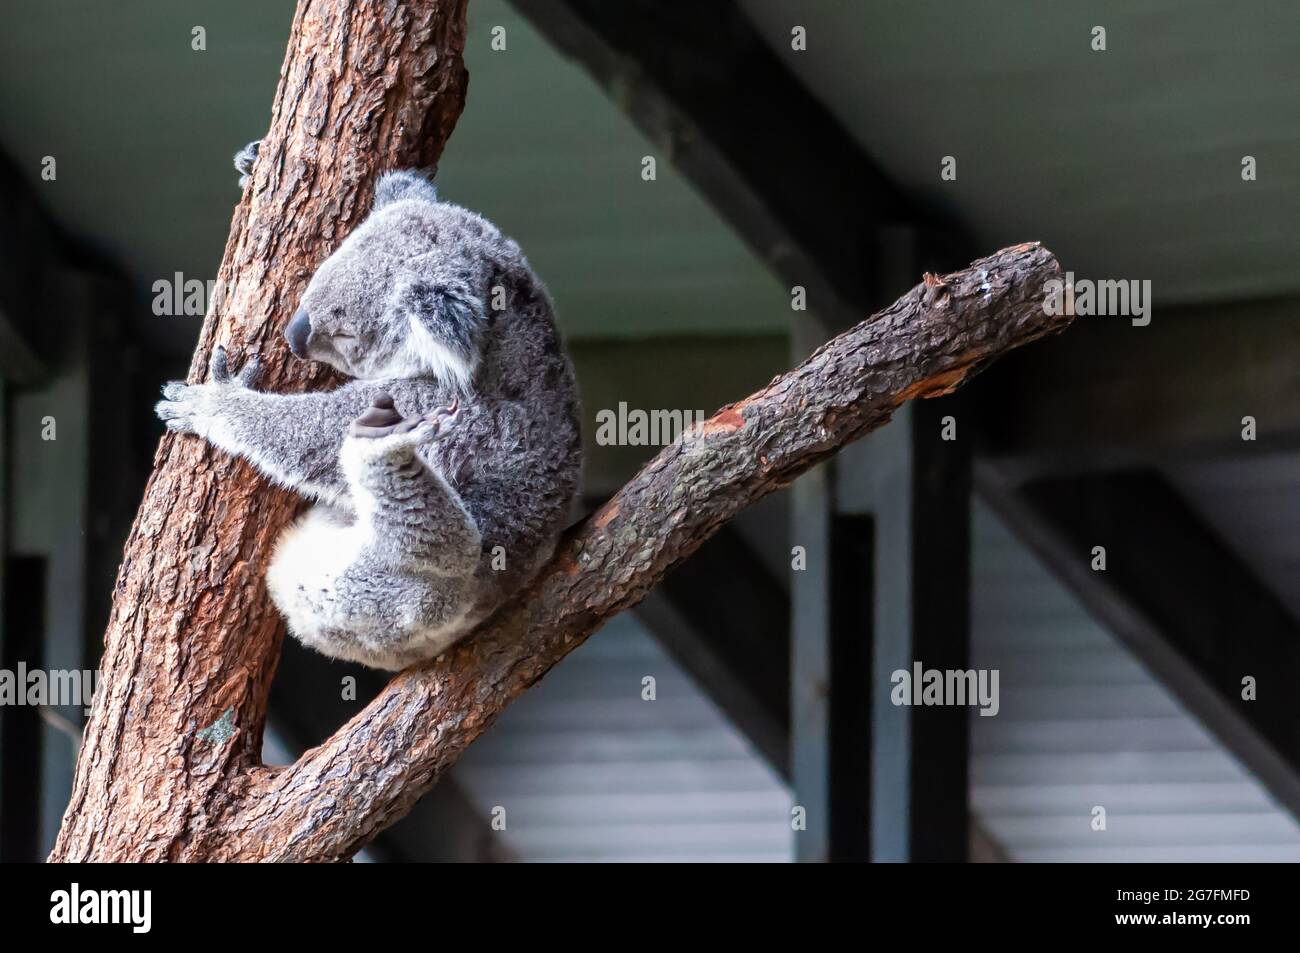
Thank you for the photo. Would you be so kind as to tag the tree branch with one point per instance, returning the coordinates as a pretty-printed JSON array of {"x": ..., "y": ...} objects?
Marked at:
[{"x": 930, "y": 341}]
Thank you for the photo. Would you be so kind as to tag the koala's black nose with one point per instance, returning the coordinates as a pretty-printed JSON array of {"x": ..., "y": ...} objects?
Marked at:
[{"x": 297, "y": 332}]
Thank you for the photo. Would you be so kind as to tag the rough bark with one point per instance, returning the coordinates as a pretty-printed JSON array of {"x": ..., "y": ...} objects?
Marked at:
[
  {"x": 169, "y": 767},
  {"x": 364, "y": 87}
]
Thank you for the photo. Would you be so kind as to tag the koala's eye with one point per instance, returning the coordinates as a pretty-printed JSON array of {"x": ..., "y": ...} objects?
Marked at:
[{"x": 344, "y": 336}]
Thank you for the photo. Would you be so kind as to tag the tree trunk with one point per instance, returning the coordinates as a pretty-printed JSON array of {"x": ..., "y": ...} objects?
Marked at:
[
  {"x": 364, "y": 87},
  {"x": 169, "y": 768}
]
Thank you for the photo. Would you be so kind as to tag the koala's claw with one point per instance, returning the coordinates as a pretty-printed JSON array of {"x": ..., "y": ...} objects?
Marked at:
[
  {"x": 219, "y": 369},
  {"x": 444, "y": 415},
  {"x": 249, "y": 373}
]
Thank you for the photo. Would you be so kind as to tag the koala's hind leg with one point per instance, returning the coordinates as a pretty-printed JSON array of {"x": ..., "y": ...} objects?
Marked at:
[
  {"x": 397, "y": 585},
  {"x": 416, "y": 521}
]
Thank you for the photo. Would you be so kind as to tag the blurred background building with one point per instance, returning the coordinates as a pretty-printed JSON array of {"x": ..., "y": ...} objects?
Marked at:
[{"x": 780, "y": 164}]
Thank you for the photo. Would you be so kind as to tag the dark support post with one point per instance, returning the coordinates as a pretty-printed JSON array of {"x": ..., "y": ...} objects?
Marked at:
[
  {"x": 852, "y": 544},
  {"x": 887, "y": 530},
  {"x": 913, "y": 479},
  {"x": 832, "y": 625},
  {"x": 887, "y": 585},
  {"x": 939, "y": 820},
  {"x": 917, "y": 487}
]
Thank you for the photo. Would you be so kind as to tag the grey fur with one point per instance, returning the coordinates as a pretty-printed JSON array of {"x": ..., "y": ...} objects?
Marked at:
[
  {"x": 394, "y": 563},
  {"x": 404, "y": 185}
]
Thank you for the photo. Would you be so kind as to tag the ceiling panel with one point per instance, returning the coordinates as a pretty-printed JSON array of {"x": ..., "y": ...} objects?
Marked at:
[{"x": 1125, "y": 162}]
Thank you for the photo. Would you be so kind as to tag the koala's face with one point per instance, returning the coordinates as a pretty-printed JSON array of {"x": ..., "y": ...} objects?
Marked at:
[{"x": 404, "y": 295}]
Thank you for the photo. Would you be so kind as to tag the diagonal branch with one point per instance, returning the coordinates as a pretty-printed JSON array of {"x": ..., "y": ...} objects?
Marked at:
[{"x": 930, "y": 341}]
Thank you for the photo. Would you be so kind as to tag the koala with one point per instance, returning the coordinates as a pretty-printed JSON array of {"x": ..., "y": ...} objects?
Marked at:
[{"x": 443, "y": 472}]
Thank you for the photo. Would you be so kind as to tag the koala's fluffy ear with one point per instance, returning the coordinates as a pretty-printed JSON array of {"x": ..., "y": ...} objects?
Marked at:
[
  {"x": 445, "y": 322},
  {"x": 395, "y": 186}
]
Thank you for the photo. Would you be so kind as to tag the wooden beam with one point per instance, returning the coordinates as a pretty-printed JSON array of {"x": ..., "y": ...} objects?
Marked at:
[
  {"x": 1117, "y": 396},
  {"x": 709, "y": 91},
  {"x": 1174, "y": 593}
]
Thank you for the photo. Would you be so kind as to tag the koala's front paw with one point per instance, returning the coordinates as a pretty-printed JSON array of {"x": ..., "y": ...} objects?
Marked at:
[
  {"x": 194, "y": 408},
  {"x": 185, "y": 407},
  {"x": 244, "y": 160}
]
